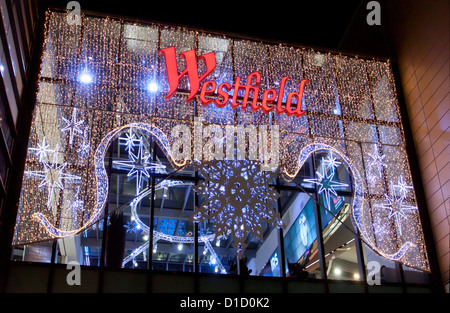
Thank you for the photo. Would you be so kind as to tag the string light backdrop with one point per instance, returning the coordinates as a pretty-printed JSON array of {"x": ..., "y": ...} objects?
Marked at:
[{"x": 99, "y": 77}]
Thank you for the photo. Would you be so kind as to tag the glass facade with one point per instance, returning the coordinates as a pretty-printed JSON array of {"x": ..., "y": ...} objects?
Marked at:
[{"x": 103, "y": 185}]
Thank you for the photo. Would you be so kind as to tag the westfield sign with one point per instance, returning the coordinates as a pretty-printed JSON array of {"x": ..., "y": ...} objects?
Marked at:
[{"x": 272, "y": 98}]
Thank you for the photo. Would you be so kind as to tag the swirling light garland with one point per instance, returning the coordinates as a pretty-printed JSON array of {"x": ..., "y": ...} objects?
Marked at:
[
  {"x": 102, "y": 177},
  {"x": 360, "y": 213}
]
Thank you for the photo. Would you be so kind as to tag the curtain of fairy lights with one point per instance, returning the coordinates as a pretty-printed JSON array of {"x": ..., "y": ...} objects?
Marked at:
[{"x": 104, "y": 74}]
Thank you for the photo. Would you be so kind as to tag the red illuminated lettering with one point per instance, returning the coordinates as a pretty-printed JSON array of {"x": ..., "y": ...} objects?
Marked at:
[
  {"x": 299, "y": 95},
  {"x": 254, "y": 88},
  {"x": 234, "y": 104},
  {"x": 206, "y": 91},
  {"x": 279, "y": 109},
  {"x": 223, "y": 94},
  {"x": 251, "y": 88},
  {"x": 268, "y": 100},
  {"x": 191, "y": 69}
]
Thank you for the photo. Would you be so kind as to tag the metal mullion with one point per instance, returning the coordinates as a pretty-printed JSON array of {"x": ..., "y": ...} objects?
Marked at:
[
  {"x": 16, "y": 41},
  {"x": 105, "y": 227},
  {"x": 9, "y": 116},
  {"x": 318, "y": 221},
  {"x": 4, "y": 147},
  {"x": 196, "y": 237},
  {"x": 282, "y": 257},
  {"x": 23, "y": 37},
  {"x": 52, "y": 265},
  {"x": 151, "y": 224},
  {"x": 221, "y": 33},
  {"x": 8, "y": 57},
  {"x": 28, "y": 18},
  {"x": 111, "y": 154}
]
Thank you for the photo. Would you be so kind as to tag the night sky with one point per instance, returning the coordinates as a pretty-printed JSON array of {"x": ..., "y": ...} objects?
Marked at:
[{"x": 309, "y": 23}]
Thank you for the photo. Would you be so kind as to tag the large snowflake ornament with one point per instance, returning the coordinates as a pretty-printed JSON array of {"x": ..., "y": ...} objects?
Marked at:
[{"x": 237, "y": 199}]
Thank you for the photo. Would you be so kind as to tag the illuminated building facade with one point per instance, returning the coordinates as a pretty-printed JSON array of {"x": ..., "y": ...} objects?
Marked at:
[{"x": 294, "y": 178}]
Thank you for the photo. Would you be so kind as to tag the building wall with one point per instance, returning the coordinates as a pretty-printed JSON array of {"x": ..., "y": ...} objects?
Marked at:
[
  {"x": 419, "y": 34},
  {"x": 17, "y": 31}
]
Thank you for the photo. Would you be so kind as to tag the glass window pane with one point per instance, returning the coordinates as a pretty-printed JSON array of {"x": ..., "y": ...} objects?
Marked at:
[
  {"x": 61, "y": 51},
  {"x": 339, "y": 244},
  {"x": 375, "y": 167},
  {"x": 38, "y": 252},
  {"x": 138, "y": 56},
  {"x": 390, "y": 135},
  {"x": 182, "y": 40},
  {"x": 99, "y": 51},
  {"x": 300, "y": 237},
  {"x": 361, "y": 132},
  {"x": 321, "y": 91},
  {"x": 382, "y": 86},
  {"x": 327, "y": 127},
  {"x": 223, "y": 73},
  {"x": 353, "y": 87}
]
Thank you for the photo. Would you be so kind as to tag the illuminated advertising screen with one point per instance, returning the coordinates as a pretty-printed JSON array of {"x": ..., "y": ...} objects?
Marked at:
[{"x": 301, "y": 235}]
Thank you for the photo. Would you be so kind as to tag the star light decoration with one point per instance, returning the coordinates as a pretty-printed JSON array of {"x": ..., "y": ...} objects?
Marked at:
[
  {"x": 395, "y": 203},
  {"x": 325, "y": 179},
  {"x": 138, "y": 164},
  {"x": 41, "y": 150},
  {"x": 73, "y": 126},
  {"x": 130, "y": 140},
  {"x": 53, "y": 176},
  {"x": 403, "y": 187},
  {"x": 377, "y": 162},
  {"x": 238, "y": 200}
]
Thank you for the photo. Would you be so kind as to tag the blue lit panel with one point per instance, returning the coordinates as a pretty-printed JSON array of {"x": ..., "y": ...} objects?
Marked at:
[
  {"x": 167, "y": 226},
  {"x": 301, "y": 235}
]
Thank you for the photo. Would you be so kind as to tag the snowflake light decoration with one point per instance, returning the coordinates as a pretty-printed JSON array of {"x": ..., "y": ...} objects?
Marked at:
[
  {"x": 132, "y": 227},
  {"x": 331, "y": 161},
  {"x": 85, "y": 146},
  {"x": 238, "y": 200}
]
